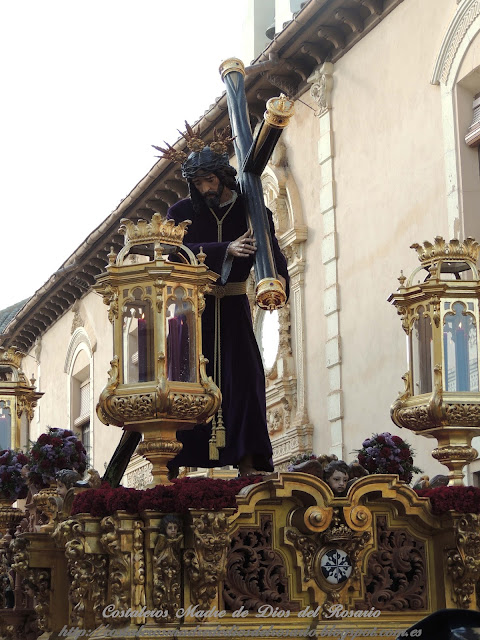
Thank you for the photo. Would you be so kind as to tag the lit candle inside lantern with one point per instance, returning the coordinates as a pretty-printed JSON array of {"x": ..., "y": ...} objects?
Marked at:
[{"x": 461, "y": 359}]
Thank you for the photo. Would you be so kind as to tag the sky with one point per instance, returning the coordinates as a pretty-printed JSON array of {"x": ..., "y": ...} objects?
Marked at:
[{"x": 87, "y": 87}]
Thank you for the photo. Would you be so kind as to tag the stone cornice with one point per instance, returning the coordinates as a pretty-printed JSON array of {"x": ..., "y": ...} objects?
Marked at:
[{"x": 323, "y": 30}]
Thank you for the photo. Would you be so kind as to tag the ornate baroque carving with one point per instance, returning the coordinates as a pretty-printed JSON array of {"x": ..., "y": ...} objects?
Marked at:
[
  {"x": 133, "y": 407},
  {"x": 337, "y": 544},
  {"x": 118, "y": 570},
  {"x": 87, "y": 571},
  {"x": 396, "y": 578},
  {"x": 463, "y": 563},
  {"x": 206, "y": 563},
  {"x": 256, "y": 574},
  {"x": 167, "y": 590},
  {"x": 185, "y": 405}
]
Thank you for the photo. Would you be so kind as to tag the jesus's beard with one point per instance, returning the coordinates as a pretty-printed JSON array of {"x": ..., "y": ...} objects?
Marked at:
[{"x": 212, "y": 198}]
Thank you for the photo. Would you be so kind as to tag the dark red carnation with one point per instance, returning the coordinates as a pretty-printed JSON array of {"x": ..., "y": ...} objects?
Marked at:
[
  {"x": 404, "y": 454},
  {"x": 397, "y": 440},
  {"x": 381, "y": 439},
  {"x": 392, "y": 467},
  {"x": 386, "y": 452}
]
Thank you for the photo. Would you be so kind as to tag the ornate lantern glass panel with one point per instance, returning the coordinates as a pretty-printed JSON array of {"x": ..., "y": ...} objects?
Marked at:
[
  {"x": 158, "y": 382},
  {"x": 138, "y": 339},
  {"x": 180, "y": 330},
  {"x": 460, "y": 347},
  {"x": 5, "y": 426},
  {"x": 421, "y": 352},
  {"x": 440, "y": 317}
]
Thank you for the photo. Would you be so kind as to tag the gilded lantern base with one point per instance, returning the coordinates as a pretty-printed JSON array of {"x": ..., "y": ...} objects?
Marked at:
[
  {"x": 454, "y": 451},
  {"x": 270, "y": 294},
  {"x": 159, "y": 446}
]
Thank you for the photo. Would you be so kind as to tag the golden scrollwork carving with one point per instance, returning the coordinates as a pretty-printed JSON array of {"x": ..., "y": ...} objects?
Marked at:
[
  {"x": 133, "y": 407},
  {"x": 40, "y": 578},
  {"x": 110, "y": 298},
  {"x": 206, "y": 563},
  {"x": 20, "y": 555},
  {"x": 26, "y": 404},
  {"x": 465, "y": 415},
  {"x": 358, "y": 518},
  {"x": 317, "y": 518},
  {"x": 46, "y": 501},
  {"x": 418, "y": 417},
  {"x": 88, "y": 574},
  {"x": 187, "y": 405},
  {"x": 308, "y": 547},
  {"x": 338, "y": 535},
  {"x": 461, "y": 452},
  {"x": 463, "y": 563},
  {"x": 119, "y": 582},
  {"x": 113, "y": 376},
  {"x": 158, "y": 229},
  {"x": 403, "y": 313}
]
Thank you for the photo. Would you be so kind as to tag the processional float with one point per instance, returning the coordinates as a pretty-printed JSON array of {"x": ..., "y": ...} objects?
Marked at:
[{"x": 252, "y": 156}]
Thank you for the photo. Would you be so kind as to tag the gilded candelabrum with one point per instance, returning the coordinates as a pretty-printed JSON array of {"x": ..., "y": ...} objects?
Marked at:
[
  {"x": 440, "y": 315},
  {"x": 154, "y": 289}
]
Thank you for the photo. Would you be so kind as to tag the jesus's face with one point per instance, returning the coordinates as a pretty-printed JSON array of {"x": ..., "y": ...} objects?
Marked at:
[{"x": 210, "y": 188}]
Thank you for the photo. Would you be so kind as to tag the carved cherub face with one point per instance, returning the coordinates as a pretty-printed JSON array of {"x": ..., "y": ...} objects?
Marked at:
[{"x": 172, "y": 530}]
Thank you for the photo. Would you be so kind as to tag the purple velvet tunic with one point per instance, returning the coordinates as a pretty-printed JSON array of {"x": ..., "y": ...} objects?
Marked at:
[{"x": 243, "y": 378}]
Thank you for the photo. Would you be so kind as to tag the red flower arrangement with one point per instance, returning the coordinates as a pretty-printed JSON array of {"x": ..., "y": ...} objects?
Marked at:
[
  {"x": 12, "y": 484},
  {"x": 179, "y": 497},
  {"x": 384, "y": 453},
  {"x": 55, "y": 450},
  {"x": 460, "y": 499}
]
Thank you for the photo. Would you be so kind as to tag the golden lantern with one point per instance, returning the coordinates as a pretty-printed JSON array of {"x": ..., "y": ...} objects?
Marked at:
[
  {"x": 441, "y": 319},
  {"x": 157, "y": 382},
  {"x": 18, "y": 400}
]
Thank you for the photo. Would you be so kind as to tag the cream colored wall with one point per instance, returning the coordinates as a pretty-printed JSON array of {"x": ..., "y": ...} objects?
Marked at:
[
  {"x": 106, "y": 437},
  {"x": 390, "y": 192},
  {"x": 53, "y": 380}
]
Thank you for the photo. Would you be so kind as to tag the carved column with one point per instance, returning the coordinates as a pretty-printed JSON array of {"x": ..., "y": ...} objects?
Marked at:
[{"x": 287, "y": 417}]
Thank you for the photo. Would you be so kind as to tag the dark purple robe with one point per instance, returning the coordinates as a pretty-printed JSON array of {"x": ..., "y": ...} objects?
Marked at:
[{"x": 243, "y": 378}]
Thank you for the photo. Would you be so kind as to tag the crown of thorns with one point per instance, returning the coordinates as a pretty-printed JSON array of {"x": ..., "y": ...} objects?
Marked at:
[{"x": 219, "y": 144}]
